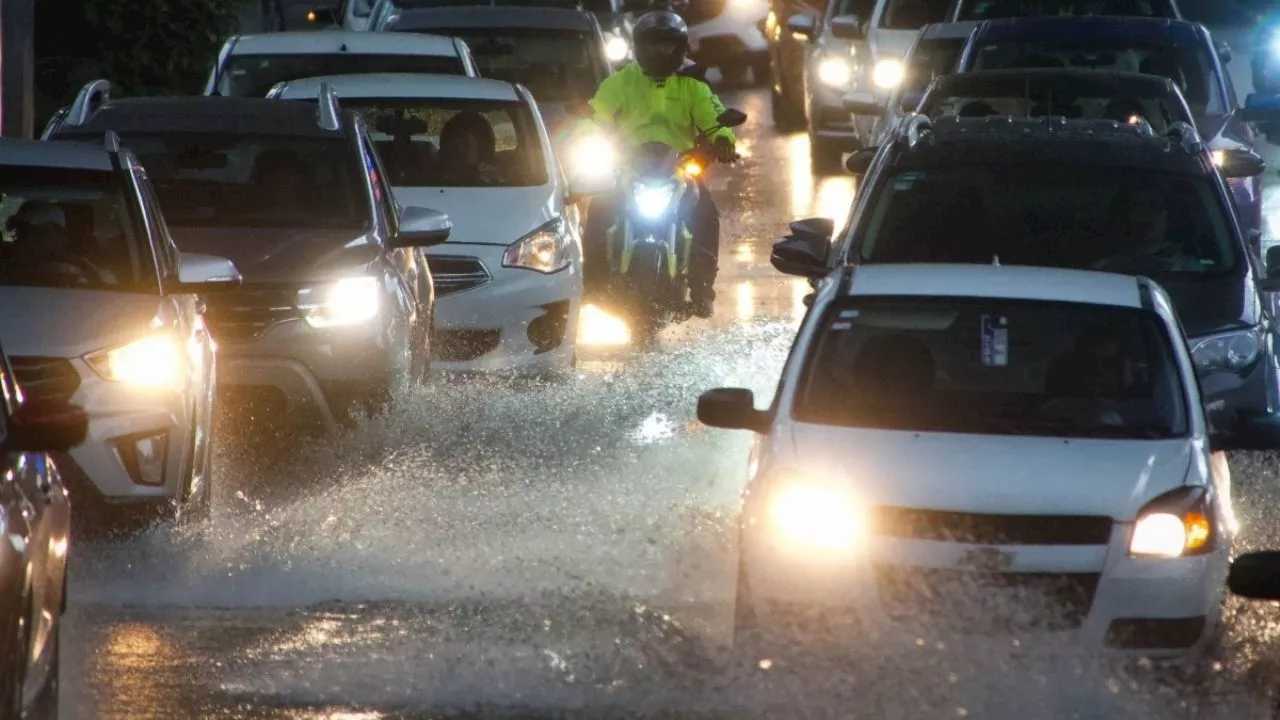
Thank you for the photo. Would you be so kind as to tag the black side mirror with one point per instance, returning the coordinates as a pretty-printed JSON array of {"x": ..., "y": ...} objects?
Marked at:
[
  {"x": 804, "y": 252},
  {"x": 1273, "y": 261},
  {"x": 323, "y": 16},
  {"x": 847, "y": 27},
  {"x": 732, "y": 118},
  {"x": 1256, "y": 575},
  {"x": 860, "y": 161},
  {"x": 45, "y": 426},
  {"x": 732, "y": 409},
  {"x": 1238, "y": 163},
  {"x": 1260, "y": 108}
]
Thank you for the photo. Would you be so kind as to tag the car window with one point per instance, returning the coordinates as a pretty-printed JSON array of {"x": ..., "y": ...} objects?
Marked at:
[
  {"x": 1190, "y": 66},
  {"x": 994, "y": 9},
  {"x": 455, "y": 143},
  {"x": 1084, "y": 217},
  {"x": 361, "y": 8},
  {"x": 556, "y": 65},
  {"x": 930, "y": 59},
  {"x": 1217, "y": 13},
  {"x": 71, "y": 228},
  {"x": 913, "y": 14},
  {"x": 1000, "y": 367},
  {"x": 254, "y": 75},
  {"x": 225, "y": 180},
  {"x": 970, "y": 95}
]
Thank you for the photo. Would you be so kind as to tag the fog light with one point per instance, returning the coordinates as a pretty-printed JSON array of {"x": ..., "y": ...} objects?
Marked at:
[{"x": 144, "y": 457}]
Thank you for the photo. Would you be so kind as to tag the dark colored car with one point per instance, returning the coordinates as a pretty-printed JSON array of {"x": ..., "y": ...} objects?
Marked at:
[
  {"x": 1071, "y": 193},
  {"x": 35, "y": 516},
  {"x": 966, "y": 10},
  {"x": 335, "y": 307},
  {"x": 787, "y": 55},
  {"x": 1181, "y": 51}
]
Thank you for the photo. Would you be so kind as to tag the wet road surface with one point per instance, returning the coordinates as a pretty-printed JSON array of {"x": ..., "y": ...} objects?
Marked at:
[{"x": 505, "y": 550}]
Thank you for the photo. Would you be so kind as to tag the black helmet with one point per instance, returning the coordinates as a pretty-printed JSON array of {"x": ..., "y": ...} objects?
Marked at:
[{"x": 661, "y": 40}]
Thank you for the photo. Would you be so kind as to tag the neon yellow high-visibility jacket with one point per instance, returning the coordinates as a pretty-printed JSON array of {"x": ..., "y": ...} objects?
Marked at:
[{"x": 672, "y": 112}]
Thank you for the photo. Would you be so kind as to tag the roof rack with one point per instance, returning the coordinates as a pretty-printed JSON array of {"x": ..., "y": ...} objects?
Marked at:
[
  {"x": 84, "y": 105},
  {"x": 328, "y": 112},
  {"x": 111, "y": 141},
  {"x": 277, "y": 90}
]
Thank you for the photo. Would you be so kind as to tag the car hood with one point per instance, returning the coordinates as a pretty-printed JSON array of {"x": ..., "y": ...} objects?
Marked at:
[
  {"x": 1208, "y": 305},
  {"x": 274, "y": 255},
  {"x": 891, "y": 43},
  {"x": 996, "y": 474},
  {"x": 486, "y": 216},
  {"x": 57, "y": 322}
]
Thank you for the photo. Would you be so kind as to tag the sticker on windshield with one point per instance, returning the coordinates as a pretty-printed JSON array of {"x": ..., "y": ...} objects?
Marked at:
[{"x": 995, "y": 340}]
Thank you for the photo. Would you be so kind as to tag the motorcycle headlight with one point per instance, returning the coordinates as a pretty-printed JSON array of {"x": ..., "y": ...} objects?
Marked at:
[
  {"x": 616, "y": 49},
  {"x": 545, "y": 250},
  {"x": 1176, "y": 524},
  {"x": 1227, "y": 351},
  {"x": 888, "y": 73},
  {"x": 598, "y": 328},
  {"x": 153, "y": 362},
  {"x": 835, "y": 71},
  {"x": 652, "y": 201},
  {"x": 349, "y": 301},
  {"x": 812, "y": 516}
]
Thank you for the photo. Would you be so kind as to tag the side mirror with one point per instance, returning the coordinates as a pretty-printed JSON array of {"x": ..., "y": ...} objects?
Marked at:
[
  {"x": 1261, "y": 108},
  {"x": 732, "y": 118},
  {"x": 861, "y": 102},
  {"x": 1238, "y": 163},
  {"x": 45, "y": 426},
  {"x": 732, "y": 409},
  {"x": 1272, "y": 262},
  {"x": 860, "y": 161},
  {"x": 910, "y": 101},
  {"x": 1224, "y": 51},
  {"x": 1256, "y": 575},
  {"x": 847, "y": 27},
  {"x": 802, "y": 26},
  {"x": 323, "y": 16},
  {"x": 420, "y": 227},
  {"x": 206, "y": 273},
  {"x": 804, "y": 252}
]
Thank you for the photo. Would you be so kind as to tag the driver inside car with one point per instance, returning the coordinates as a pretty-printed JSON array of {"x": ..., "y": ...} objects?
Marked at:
[
  {"x": 468, "y": 147},
  {"x": 41, "y": 242},
  {"x": 1139, "y": 219},
  {"x": 1087, "y": 381}
]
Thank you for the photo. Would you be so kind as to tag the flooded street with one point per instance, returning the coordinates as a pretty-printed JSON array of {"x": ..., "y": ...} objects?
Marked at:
[{"x": 490, "y": 549}]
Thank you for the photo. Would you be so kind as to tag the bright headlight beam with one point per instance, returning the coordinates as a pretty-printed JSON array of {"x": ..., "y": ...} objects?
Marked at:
[
  {"x": 597, "y": 328},
  {"x": 1159, "y": 535},
  {"x": 809, "y": 516},
  {"x": 835, "y": 71},
  {"x": 153, "y": 362},
  {"x": 593, "y": 155},
  {"x": 616, "y": 49},
  {"x": 888, "y": 73},
  {"x": 347, "y": 302},
  {"x": 651, "y": 202}
]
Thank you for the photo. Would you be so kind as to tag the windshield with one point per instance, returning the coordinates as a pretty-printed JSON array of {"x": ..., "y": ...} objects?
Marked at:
[
  {"x": 70, "y": 228},
  {"x": 930, "y": 59},
  {"x": 994, "y": 9},
  {"x": 455, "y": 143},
  {"x": 1073, "y": 97},
  {"x": 1222, "y": 13},
  {"x": 1084, "y": 217},
  {"x": 254, "y": 75},
  {"x": 1189, "y": 66},
  {"x": 217, "y": 180},
  {"x": 995, "y": 367},
  {"x": 556, "y": 65},
  {"x": 913, "y": 14}
]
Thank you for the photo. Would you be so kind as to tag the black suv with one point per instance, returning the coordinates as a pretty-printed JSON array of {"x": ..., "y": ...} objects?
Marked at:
[
  {"x": 336, "y": 302},
  {"x": 1086, "y": 194}
]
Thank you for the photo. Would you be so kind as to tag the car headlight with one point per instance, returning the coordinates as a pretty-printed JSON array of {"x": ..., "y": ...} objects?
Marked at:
[
  {"x": 888, "y": 73},
  {"x": 592, "y": 155},
  {"x": 652, "y": 201},
  {"x": 835, "y": 71},
  {"x": 616, "y": 49},
  {"x": 152, "y": 362},
  {"x": 349, "y": 301},
  {"x": 1227, "y": 351},
  {"x": 1176, "y": 524},
  {"x": 545, "y": 250},
  {"x": 815, "y": 517}
]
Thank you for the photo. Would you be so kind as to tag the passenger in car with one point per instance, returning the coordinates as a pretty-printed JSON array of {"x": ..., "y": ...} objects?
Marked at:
[
  {"x": 468, "y": 147},
  {"x": 1140, "y": 220}
]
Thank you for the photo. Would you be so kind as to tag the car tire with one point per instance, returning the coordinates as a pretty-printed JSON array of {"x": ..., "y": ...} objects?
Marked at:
[
  {"x": 196, "y": 508},
  {"x": 788, "y": 115},
  {"x": 824, "y": 156}
]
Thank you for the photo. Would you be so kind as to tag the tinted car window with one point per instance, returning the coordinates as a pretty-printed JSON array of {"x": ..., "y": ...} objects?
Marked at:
[
  {"x": 254, "y": 75},
  {"x": 1190, "y": 67},
  {"x": 216, "y": 180},
  {"x": 996, "y": 367},
  {"x": 913, "y": 14},
  {"x": 930, "y": 59},
  {"x": 1221, "y": 13},
  {"x": 70, "y": 228},
  {"x": 556, "y": 65},
  {"x": 1084, "y": 217},
  {"x": 993, "y": 9}
]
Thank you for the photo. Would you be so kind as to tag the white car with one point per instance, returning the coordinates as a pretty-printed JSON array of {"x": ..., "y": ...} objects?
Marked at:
[
  {"x": 508, "y": 282},
  {"x": 729, "y": 36},
  {"x": 102, "y": 311},
  {"x": 250, "y": 65},
  {"x": 985, "y": 450}
]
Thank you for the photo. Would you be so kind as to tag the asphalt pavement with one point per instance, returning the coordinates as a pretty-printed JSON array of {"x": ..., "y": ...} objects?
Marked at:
[{"x": 503, "y": 550}]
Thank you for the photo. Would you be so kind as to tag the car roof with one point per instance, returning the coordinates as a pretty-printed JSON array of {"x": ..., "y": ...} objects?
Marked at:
[
  {"x": 949, "y": 31},
  {"x": 341, "y": 41},
  {"x": 1122, "y": 81},
  {"x": 201, "y": 114},
  {"x": 1089, "y": 27},
  {"x": 996, "y": 282},
  {"x": 402, "y": 85},
  {"x": 505, "y": 16},
  {"x": 71, "y": 156}
]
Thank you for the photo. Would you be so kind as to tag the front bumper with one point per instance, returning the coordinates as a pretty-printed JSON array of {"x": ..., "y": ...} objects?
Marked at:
[
  {"x": 1236, "y": 399},
  {"x": 1094, "y": 597},
  {"x": 501, "y": 318}
]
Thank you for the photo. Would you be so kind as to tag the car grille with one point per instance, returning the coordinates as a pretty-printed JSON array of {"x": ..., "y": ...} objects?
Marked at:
[
  {"x": 986, "y": 603},
  {"x": 978, "y": 529},
  {"x": 43, "y": 378},
  {"x": 454, "y": 274},
  {"x": 245, "y": 314},
  {"x": 699, "y": 11}
]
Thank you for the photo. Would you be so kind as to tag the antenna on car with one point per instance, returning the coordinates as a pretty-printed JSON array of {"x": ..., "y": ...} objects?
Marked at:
[
  {"x": 83, "y": 107},
  {"x": 327, "y": 110}
]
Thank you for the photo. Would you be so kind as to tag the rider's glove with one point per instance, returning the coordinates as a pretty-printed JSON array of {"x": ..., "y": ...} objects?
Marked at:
[{"x": 725, "y": 152}]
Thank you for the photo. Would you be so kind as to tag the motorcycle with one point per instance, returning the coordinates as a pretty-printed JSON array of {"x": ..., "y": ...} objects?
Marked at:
[{"x": 650, "y": 240}]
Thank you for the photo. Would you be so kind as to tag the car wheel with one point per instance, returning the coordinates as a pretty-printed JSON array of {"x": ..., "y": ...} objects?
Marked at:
[
  {"x": 788, "y": 116},
  {"x": 197, "y": 506},
  {"x": 824, "y": 156}
]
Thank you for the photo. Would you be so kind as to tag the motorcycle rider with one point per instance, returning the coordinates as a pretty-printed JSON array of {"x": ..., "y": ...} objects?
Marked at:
[{"x": 649, "y": 100}]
